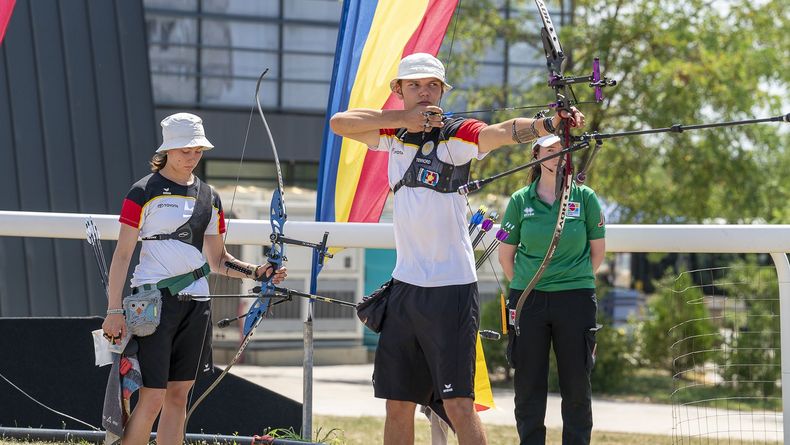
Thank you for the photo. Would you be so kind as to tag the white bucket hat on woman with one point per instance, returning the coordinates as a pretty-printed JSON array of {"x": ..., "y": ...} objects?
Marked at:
[
  {"x": 183, "y": 130},
  {"x": 546, "y": 141},
  {"x": 420, "y": 66}
]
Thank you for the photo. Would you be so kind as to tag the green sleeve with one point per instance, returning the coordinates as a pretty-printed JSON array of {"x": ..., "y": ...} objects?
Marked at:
[
  {"x": 596, "y": 225},
  {"x": 512, "y": 219}
]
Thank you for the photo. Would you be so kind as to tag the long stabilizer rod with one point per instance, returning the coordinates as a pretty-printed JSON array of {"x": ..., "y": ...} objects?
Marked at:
[{"x": 679, "y": 128}]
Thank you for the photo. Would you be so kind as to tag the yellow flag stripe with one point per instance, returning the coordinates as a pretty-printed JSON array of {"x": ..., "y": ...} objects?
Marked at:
[{"x": 393, "y": 25}]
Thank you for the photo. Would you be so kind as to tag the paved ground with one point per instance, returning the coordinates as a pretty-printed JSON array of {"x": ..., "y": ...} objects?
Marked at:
[{"x": 347, "y": 391}]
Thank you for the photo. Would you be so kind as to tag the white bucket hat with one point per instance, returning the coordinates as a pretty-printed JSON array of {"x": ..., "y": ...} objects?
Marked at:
[
  {"x": 420, "y": 66},
  {"x": 183, "y": 130},
  {"x": 546, "y": 141}
]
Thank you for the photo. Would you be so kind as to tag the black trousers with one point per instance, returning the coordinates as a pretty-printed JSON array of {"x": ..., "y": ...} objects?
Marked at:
[{"x": 566, "y": 321}]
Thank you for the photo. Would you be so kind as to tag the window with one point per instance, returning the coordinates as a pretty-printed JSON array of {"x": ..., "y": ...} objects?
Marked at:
[
  {"x": 221, "y": 173},
  {"x": 211, "y": 52}
]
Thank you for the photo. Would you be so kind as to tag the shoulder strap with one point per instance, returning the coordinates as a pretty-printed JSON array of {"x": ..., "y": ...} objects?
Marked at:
[{"x": 192, "y": 231}]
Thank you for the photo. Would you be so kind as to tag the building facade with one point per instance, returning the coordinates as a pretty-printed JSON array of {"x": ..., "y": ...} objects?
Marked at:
[{"x": 84, "y": 86}]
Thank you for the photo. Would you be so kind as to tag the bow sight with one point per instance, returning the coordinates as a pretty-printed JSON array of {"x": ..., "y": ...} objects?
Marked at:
[
  {"x": 555, "y": 57},
  {"x": 594, "y": 80}
]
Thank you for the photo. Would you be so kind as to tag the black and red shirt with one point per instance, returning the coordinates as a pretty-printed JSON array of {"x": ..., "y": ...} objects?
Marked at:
[{"x": 157, "y": 205}]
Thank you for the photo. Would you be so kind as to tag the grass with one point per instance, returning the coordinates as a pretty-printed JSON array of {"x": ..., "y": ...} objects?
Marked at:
[
  {"x": 656, "y": 386},
  {"x": 369, "y": 430},
  {"x": 645, "y": 385}
]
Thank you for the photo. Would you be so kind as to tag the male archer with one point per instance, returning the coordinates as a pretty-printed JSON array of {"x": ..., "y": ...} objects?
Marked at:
[{"x": 426, "y": 351}]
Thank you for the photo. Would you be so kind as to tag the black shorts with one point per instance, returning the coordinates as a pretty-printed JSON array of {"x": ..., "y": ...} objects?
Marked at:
[
  {"x": 182, "y": 338},
  {"x": 426, "y": 350}
]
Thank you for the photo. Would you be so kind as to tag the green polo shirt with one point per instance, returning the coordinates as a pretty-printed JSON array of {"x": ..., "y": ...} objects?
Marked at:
[{"x": 533, "y": 224}]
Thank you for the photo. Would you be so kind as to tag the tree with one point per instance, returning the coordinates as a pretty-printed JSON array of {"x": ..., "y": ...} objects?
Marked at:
[{"x": 676, "y": 62}]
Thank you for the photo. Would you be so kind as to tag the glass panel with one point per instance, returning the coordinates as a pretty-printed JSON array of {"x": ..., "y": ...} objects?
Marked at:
[
  {"x": 486, "y": 75},
  {"x": 164, "y": 30},
  {"x": 173, "y": 67},
  {"x": 307, "y": 67},
  {"x": 231, "y": 182},
  {"x": 313, "y": 9},
  {"x": 266, "y": 8},
  {"x": 305, "y": 96},
  {"x": 306, "y": 175},
  {"x": 174, "y": 88},
  {"x": 179, "y": 5},
  {"x": 230, "y": 63},
  {"x": 494, "y": 53},
  {"x": 173, "y": 60},
  {"x": 240, "y": 92},
  {"x": 309, "y": 38},
  {"x": 524, "y": 53},
  {"x": 521, "y": 78},
  {"x": 303, "y": 170},
  {"x": 240, "y": 34},
  {"x": 216, "y": 168}
]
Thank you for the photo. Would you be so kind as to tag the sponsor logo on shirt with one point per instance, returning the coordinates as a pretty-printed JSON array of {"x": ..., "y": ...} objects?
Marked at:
[
  {"x": 529, "y": 211},
  {"x": 574, "y": 210},
  {"x": 512, "y": 316},
  {"x": 423, "y": 161},
  {"x": 428, "y": 177},
  {"x": 166, "y": 204},
  {"x": 603, "y": 220},
  {"x": 166, "y": 191}
]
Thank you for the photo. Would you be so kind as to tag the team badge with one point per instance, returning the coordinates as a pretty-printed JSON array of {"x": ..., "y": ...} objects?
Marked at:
[
  {"x": 512, "y": 316},
  {"x": 428, "y": 177},
  {"x": 427, "y": 148},
  {"x": 574, "y": 210}
]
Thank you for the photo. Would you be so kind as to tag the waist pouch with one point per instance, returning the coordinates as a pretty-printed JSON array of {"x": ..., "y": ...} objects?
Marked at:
[
  {"x": 143, "y": 310},
  {"x": 373, "y": 308}
]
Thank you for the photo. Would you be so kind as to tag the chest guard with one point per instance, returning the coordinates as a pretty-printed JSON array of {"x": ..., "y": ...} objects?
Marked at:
[
  {"x": 426, "y": 169},
  {"x": 193, "y": 230}
]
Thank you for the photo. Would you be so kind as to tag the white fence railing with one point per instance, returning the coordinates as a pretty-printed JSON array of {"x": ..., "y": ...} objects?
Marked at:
[{"x": 772, "y": 239}]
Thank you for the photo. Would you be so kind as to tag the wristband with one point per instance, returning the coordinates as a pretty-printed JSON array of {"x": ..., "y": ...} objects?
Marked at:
[
  {"x": 115, "y": 311},
  {"x": 549, "y": 125},
  {"x": 514, "y": 134}
]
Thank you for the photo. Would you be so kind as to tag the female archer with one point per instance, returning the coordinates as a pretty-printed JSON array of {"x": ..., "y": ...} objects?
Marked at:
[{"x": 180, "y": 220}]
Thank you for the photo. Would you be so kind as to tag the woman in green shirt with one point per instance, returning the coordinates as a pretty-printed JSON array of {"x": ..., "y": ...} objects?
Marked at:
[{"x": 561, "y": 310}]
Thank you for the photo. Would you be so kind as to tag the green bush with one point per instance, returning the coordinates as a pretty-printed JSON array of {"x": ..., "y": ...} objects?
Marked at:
[
  {"x": 613, "y": 365},
  {"x": 676, "y": 312},
  {"x": 752, "y": 365}
]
